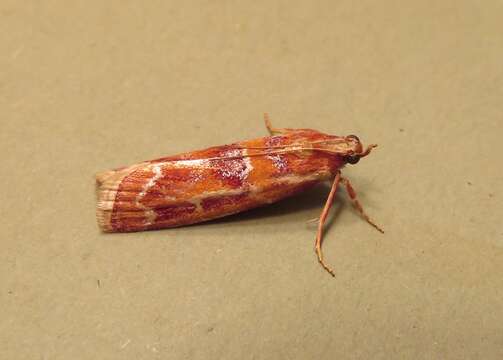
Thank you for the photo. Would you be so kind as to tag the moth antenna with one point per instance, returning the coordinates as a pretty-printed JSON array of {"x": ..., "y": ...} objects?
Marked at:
[
  {"x": 323, "y": 217},
  {"x": 368, "y": 150}
]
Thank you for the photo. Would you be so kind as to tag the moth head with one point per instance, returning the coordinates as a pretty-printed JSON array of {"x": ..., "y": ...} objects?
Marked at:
[{"x": 354, "y": 149}]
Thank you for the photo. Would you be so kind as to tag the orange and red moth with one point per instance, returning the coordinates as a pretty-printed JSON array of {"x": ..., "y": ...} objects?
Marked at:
[{"x": 207, "y": 184}]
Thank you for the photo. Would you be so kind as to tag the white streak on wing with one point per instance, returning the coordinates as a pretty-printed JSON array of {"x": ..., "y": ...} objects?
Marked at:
[
  {"x": 149, "y": 213},
  {"x": 197, "y": 203},
  {"x": 150, "y": 217},
  {"x": 191, "y": 163},
  {"x": 248, "y": 163}
]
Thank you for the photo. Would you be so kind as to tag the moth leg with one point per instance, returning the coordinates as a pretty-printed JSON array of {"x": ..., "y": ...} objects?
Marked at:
[
  {"x": 268, "y": 125},
  {"x": 273, "y": 131},
  {"x": 352, "y": 195},
  {"x": 323, "y": 217}
]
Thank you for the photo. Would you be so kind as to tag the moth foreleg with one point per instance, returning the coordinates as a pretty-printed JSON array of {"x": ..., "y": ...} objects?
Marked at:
[{"x": 323, "y": 217}]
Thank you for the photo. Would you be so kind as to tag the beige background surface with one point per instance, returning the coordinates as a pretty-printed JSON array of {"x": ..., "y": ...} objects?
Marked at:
[{"x": 86, "y": 86}]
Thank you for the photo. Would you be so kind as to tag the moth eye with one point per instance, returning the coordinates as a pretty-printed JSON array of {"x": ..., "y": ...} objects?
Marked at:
[
  {"x": 352, "y": 159},
  {"x": 353, "y": 137}
]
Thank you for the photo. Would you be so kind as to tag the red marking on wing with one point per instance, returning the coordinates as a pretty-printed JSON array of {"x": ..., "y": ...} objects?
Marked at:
[
  {"x": 133, "y": 221},
  {"x": 233, "y": 170},
  {"x": 280, "y": 162},
  {"x": 217, "y": 202},
  {"x": 172, "y": 213},
  {"x": 173, "y": 179}
]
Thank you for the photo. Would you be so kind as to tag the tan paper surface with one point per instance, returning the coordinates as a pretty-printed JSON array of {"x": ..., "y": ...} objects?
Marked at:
[{"x": 92, "y": 85}]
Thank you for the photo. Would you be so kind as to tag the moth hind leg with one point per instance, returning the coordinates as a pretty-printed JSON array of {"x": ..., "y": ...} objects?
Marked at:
[
  {"x": 352, "y": 196},
  {"x": 268, "y": 124},
  {"x": 272, "y": 130}
]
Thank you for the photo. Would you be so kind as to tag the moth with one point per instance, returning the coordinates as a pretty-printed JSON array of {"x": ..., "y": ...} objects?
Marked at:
[{"x": 207, "y": 184}]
